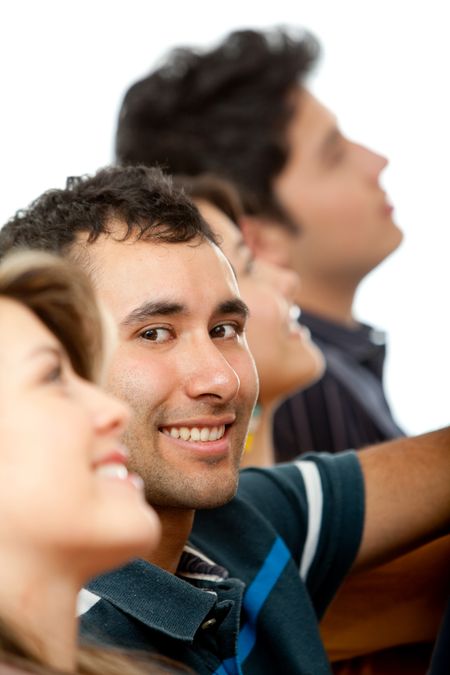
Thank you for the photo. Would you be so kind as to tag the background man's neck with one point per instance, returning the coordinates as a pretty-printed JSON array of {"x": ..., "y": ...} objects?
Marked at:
[{"x": 333, "y": 301}]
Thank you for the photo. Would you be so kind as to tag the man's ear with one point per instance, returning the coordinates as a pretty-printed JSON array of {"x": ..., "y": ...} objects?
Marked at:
[{"x": 267, "y": 239}]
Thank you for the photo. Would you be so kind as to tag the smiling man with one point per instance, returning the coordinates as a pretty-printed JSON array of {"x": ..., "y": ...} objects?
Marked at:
[
  {"x": 182, "y": 363},
  {"x": 242, "y": 573},
  {"x": 312, "y": 198}
]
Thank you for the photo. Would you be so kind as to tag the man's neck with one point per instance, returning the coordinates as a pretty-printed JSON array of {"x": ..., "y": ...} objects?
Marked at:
[
  {"x": 331, "y": 300},
  {"x": 176, "y": 526}
]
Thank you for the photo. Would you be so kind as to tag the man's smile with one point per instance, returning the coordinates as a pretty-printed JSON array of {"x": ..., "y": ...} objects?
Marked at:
[{"x": 203, "y": 433}]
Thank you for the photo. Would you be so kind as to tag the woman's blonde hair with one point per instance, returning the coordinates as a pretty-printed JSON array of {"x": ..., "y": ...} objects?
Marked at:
[{"x": 60, "y": 295}]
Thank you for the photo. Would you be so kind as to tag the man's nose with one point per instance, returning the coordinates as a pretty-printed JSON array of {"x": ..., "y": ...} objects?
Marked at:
[
  {"x": 373, "y": 162},
  {"x": 208, "y": 374}
]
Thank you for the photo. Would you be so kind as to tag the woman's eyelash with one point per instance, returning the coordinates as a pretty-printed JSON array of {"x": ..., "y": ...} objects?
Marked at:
[
  {"x": 249, "y": 265},
  {"x": 55, "y": 374}
]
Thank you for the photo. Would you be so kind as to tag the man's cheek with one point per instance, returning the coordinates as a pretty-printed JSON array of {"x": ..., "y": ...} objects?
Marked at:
[
  {"x": 128, "y": 380},
  {"x": 248, "y": 377}
]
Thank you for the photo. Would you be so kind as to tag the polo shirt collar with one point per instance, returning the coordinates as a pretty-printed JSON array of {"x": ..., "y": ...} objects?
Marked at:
[{"x": 177, "y": 608}]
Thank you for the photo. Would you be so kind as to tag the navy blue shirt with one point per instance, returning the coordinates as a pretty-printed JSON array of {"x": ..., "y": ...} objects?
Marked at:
[
  {"x": 347, "y": 408},
  {"x": 254, "y": 581}
]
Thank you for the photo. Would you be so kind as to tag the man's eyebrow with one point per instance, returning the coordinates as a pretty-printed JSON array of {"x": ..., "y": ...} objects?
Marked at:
[
  {"x": 233, "y": 306},
  {"x": 150, "y": 309}
]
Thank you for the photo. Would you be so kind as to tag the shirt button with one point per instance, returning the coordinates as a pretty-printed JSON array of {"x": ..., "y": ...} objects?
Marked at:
[{"x": 208, "y": 623}]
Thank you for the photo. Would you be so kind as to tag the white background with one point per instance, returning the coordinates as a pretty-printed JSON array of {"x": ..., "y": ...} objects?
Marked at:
[{"x": 66, "y": 65}]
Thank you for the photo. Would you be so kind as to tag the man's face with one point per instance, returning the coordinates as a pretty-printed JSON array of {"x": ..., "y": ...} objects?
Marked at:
[
  {"x": 330, "y": 188},
  {"x": 182, "y": 363}
]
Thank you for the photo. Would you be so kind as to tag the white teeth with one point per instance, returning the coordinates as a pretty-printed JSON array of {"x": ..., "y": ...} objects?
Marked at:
[
  {"x": 113, "y": 471},
  {"x": 204, "y": 434},
  {"x": 137, "y": 481},
  {"x": 294, "y": 312},
  {"x": 185, "y": 434},
  {"x": 195, "y": 434}
]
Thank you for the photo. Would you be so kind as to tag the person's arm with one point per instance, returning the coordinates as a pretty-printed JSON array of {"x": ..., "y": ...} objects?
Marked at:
[
  {"x": 407, "y": 503},
  {"x": 395, "y": 604}
]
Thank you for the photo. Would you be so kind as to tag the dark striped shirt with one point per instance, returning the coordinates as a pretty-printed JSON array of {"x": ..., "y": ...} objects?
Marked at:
[{"x": 347, "y": 408}]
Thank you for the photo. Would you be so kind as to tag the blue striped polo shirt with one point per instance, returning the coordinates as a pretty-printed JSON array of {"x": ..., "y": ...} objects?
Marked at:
[{"x": 254, "y": 580}]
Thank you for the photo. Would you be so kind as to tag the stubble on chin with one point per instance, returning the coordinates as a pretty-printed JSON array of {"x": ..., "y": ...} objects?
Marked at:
[
  {"x": 202, "y": 484},
  {"x": 207, "y": 488}
]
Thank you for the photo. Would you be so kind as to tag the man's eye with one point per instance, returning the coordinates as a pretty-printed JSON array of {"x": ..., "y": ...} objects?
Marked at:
[
  {"x": 158, "y": 335},
  {"x": 225, "y": 331},
  {"x": 338, "y": 153},
  {"x": 337, "y": 156}
]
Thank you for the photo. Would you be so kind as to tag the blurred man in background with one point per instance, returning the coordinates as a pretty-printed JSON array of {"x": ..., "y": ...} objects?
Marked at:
[{"x": 312, "y": 202}]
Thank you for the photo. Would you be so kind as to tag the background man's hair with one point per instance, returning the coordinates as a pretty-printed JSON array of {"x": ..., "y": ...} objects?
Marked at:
[
  {"x": 223, "y": 111},
  {"x": 142, "y": 198}
]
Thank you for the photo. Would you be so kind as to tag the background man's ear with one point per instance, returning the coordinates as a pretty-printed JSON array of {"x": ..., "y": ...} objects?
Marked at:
[{"x": 267, "y": 239}]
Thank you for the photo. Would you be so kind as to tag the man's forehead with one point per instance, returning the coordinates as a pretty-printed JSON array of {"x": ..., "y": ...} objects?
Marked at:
[
  {"x": 114, "y": 229},
  {"x": 129, "y": 272},
  {"x": 313, "y": 122},
  {"x": 120, "y": 248}
]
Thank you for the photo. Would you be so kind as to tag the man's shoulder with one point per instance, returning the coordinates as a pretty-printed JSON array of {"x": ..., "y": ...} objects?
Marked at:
[
  {"x": 294, "y": 488},
  {"x": 278, "y": 538},
  {"x": 315, "y": 506},
  {"x": 301, "y": 476}
]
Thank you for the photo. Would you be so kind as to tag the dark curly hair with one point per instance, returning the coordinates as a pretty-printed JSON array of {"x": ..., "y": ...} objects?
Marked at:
[
  {"x": 143, "y": 198},
  {"x": 223, "y": 111}
]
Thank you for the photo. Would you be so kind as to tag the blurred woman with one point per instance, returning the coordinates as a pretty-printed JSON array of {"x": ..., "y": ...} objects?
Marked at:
[
  {"x": 69, "y": 507},
  {"x": 285, "y": 357}
]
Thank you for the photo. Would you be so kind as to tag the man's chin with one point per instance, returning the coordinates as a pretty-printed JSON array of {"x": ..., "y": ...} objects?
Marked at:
[
  {"x": 215, "y": 501},
  {"x": 212, "y": 498}
]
